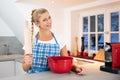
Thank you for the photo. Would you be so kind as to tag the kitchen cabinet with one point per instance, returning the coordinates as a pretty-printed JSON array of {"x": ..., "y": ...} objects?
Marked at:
[
  {"x": 18, "y": 68},
  {"x": 7, "y": 69},
  {"x": 10, "y": 68}
]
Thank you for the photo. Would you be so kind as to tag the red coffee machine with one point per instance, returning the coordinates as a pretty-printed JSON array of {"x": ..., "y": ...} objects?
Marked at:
[{"x": 112, "y": 58}]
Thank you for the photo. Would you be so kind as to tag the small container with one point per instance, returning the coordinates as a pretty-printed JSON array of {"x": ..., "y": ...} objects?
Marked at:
[
  {"x": 80, "y": 54},
  {"x": 69, "y": 53},
  {"x": 85, "y": 54}
]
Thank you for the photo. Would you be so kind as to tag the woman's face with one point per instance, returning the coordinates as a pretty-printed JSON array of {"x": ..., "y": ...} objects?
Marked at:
[{"x": 45, "y": 21}]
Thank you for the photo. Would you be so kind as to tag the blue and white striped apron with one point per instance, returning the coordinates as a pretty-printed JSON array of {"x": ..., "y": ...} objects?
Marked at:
[{"x": 39, "y": 53}]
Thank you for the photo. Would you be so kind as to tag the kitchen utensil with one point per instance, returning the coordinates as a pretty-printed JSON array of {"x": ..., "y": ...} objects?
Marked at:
[
  {"x": 75, "y": 46},
  {"x": 82, "y": 45},
  {"x": 27, "y": 39},
  {"x": 60, "y": 64},
  {"x": 100, "y": 55}
]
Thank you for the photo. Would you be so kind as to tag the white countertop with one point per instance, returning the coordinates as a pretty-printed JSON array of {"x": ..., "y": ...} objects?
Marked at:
[
  {"x": 17, "y": 57},
  {"x": 91, "y": 71}
]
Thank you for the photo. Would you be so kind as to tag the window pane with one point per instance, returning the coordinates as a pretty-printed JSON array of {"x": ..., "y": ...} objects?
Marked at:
[
  {"x": 85, "y": 24},
  {"x": 85, "y": 41},
  {"x": 115, "y": 21},
  {"x": 92, "y": 42},
  {"x": 100, "y": 22},
  {"x": 92, "y": 23},
  {"x": 114, "y": 37},
  {"x": 100, "y": 41}
]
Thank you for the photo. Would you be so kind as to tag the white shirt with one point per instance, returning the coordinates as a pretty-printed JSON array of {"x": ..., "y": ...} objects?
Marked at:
[{"x": 59, "y": 39}]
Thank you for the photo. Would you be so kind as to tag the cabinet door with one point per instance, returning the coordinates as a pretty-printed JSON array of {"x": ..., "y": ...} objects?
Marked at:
[
  {"x": 6, "y": 69},
  {"x": 19, "y": 70},
  {"x": 116, "y": 55}
]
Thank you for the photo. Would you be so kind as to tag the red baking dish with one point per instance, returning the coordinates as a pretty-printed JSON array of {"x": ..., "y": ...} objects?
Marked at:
[{"x": 60, "y": 64}]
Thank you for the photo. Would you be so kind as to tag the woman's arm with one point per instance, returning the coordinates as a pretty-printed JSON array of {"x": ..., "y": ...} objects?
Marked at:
[
  {"x": 75, "y": 68},
  {"x": 63, "y": 51},
  {"x": 27, "y": 61}
]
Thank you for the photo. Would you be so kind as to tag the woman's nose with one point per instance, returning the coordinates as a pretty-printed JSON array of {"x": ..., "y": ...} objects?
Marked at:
[{"x": 49, "y": 21}]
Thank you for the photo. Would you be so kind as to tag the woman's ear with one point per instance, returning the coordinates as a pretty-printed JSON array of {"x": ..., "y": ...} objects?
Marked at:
[{"x": 37, "y": 23}]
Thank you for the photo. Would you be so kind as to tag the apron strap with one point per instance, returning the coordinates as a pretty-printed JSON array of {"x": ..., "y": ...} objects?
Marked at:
[
  {"x": 54, "y": 38},
  {"x": 52, "y": 35}
]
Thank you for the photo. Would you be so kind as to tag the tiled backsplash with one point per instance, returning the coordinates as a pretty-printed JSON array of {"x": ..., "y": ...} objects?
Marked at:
[{"x": 10, "y": 45}]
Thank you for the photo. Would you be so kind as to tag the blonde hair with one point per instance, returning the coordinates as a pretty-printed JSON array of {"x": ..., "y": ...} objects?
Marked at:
[{"x": 35, "y": 15}]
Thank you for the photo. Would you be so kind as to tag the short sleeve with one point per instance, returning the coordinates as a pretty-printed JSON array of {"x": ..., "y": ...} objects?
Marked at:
[{"x": 60, "y": 41}]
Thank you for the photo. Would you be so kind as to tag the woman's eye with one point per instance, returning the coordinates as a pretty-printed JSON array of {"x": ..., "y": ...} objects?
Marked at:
[
  {"x": 44, "y": 19},
  {"x": 49, "y": 17}
]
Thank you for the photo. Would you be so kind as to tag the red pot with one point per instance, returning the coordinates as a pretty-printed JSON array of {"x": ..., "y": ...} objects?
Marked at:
[{"x": 60, "y": 64}]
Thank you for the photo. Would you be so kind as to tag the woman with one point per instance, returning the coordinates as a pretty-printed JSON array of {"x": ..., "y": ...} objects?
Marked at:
[{"x": 46, "y": 44}]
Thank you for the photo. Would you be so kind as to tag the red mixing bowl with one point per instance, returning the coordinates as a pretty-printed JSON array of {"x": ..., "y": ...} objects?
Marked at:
[{"x": 60, "y": 64}]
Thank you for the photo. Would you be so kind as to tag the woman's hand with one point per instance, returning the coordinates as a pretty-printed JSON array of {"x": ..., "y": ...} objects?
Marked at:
[
  {"x": 77, "y": 69},
  {"x": 27, "y": 62},
  {"x": 28, "y": 59}
]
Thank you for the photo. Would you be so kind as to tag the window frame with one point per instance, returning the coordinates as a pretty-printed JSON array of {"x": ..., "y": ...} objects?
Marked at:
[{"x": 107, "y": 22}]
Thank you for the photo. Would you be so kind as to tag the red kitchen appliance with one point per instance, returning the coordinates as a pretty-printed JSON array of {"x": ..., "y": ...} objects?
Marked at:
[{"x": 112, "y": 58}]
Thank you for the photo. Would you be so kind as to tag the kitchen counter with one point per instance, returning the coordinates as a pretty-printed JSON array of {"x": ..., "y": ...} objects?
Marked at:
[
  {"x": 91, "y": 71},
  {"x": 17, "y": 57}
]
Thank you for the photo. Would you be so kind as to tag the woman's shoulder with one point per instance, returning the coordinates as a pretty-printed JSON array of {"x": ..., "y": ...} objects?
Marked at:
[{"x": 60, "y": 39}]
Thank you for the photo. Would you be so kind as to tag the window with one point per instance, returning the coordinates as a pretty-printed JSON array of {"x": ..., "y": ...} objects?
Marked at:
[
  {"x": 99, "y": 27},
  {"x": 94, "y": 33},
  {"x": 114, "y": 27}
]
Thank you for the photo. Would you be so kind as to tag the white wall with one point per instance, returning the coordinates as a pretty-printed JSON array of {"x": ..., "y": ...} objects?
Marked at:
[
  {"x": 4, "y": 29},
  {"x": 12, "y": 17}
]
